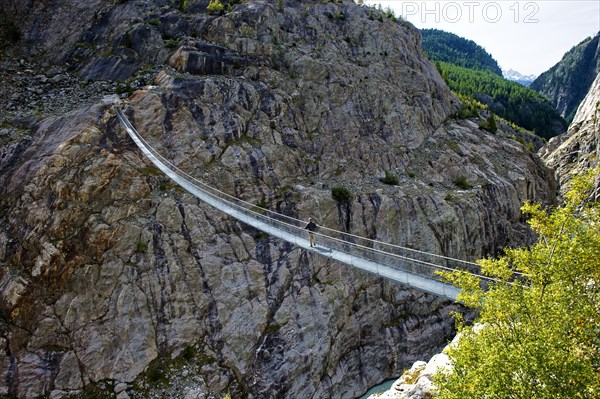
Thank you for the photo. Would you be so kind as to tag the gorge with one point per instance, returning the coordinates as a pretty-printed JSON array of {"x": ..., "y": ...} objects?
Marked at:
[{"x": 116, "y": 283}]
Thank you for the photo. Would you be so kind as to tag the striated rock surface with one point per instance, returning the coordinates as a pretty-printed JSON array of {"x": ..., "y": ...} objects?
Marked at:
[
  {"x": 577, "y": 150},
  {"x": 116, "y": 283}
]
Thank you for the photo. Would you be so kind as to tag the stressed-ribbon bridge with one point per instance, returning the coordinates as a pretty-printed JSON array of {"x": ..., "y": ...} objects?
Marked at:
[{"x": 408, "y": 266}]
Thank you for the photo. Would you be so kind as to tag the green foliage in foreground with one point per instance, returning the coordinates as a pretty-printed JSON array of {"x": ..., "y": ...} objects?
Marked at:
[
  {"x": 540, "y": 336},
  {"x": 507, "y": 99}
]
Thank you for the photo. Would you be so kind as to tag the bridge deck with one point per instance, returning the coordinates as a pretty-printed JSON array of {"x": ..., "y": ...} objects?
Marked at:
[{"x": 298, "y": 238}]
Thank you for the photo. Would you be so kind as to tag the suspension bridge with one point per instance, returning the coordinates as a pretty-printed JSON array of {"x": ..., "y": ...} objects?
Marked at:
[{"x": 417, "y": 269}]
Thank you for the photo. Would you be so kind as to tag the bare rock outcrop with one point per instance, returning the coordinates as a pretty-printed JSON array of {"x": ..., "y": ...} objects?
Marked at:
[
  {"x": 578, "y": 149},
  {"x": 115, "y": 282}
]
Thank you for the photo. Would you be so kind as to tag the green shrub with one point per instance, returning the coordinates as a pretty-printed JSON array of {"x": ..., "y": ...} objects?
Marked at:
[
  {"x": 489, "y": 124},
  {"x": 214, "y": 7},
  {"x": 165, "y": 185},
  {"x": 341, "y": 194},
  {"x": 127, "y": 40},
  {"x": 154, "y": 374},
  {"x": 389, "y": 13},
  {"x": 461, "y": 182},
  {"x": 260, "y": 236},
  {"x": 149, "y": 170},
  {"x": 121, "y": 88},
  {"x": 124, "y": 88},
  {"x": 389, "y": 179},
  {"x": 171, "y": 43},
  {"x": 188, "y": 353},
  {"x": 411, "y": 377},
  {"x": 141, "y": 246},
  {"x": 467, "y": 111},
  {"x": 248, "y": 31}
]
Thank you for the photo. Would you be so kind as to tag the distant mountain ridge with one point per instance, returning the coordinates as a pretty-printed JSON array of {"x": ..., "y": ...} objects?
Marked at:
[
  {"x": 518, "y": 77},
  {"x": 506, "y": 98},
  {"x": 447, "y": 47},
  {"x": 472, "y": 72},
  {"x": 568, "y": 82}
]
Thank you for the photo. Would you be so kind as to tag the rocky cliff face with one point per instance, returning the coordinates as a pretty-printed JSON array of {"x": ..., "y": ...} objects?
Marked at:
[
  {"x": 573, "y": 152},
  {"x": 114, "y": 282},
  {"x": 577, "y": 150},
  {"x": 567, "y": 82}
]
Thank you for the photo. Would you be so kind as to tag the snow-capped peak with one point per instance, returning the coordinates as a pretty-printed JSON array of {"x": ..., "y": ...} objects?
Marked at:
[{"x": 516, "y": 76}]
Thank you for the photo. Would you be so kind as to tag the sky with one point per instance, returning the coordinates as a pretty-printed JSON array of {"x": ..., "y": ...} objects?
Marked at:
[{"x": 527, "y": 36}]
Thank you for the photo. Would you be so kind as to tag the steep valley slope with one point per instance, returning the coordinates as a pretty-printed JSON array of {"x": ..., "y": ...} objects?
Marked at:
[
  {"x": 568, "y": 82},
  {"x": 573, "y": 152},
  {"x": 577, "y": 150},
  {"x": 116, "y": 283}
]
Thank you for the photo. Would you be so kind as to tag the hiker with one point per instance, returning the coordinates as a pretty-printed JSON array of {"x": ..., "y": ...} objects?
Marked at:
[{"x": 311, "y": 226}]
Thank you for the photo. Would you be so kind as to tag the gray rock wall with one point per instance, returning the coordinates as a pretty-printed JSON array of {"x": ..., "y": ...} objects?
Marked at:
[
  {"x": 577, "y": 150},
  {"x": 107, "y": 268},
  {"x": 110, "y": 274}
]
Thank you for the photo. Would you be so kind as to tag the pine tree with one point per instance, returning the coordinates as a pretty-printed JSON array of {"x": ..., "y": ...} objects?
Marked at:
[{"x": 491, "y": 123}]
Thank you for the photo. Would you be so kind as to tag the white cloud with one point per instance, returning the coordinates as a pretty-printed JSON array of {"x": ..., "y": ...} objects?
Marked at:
[{"x": 529, "y": 36}]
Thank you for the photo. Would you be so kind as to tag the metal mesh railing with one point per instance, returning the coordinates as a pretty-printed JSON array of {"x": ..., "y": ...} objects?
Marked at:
[{"x": 406, "y": 265}]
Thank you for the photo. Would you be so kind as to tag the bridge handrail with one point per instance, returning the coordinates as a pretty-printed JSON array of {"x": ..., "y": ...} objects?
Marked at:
[
  {"x": 248, "y": 209},
  {"x": 222, "y": 193}
]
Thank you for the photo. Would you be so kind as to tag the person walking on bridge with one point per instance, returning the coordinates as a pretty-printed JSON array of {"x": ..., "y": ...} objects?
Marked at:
[{"x": 311, "y": 226}]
